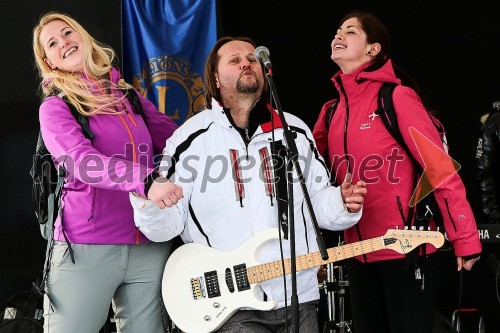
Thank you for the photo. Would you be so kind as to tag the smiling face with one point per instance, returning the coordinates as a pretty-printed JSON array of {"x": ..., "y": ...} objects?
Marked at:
[
  {"x": 350, "y": 48},
  {"x": 63, "y": 46}
]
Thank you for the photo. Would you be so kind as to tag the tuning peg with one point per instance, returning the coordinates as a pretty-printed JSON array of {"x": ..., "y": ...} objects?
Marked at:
[
  {"x": 413, "y": 227},
  {"x": 428, "y": 228},
  {"x": 406, "y": 227},
  {"x": 420, "y": 228},
  {"x": 397, "y": 227}
]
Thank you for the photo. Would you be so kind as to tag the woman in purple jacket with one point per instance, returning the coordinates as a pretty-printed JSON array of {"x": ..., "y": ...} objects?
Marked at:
[{"x": 113, "y": 260}]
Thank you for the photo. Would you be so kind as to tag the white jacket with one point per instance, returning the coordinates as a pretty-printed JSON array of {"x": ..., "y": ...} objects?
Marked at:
[{"x": 217, "y": 212}]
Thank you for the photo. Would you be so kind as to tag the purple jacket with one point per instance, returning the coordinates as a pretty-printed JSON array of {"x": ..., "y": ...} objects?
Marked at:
[{"x": 101, "y": 172}]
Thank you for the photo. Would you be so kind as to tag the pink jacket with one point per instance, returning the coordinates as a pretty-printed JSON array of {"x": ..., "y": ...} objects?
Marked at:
[
  {"x": 102, "y": 172},
  {"x": 383, "y": 164}
]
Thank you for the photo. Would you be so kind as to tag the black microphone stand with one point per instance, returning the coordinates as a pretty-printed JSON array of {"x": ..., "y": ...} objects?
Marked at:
[{"x": 292, "y": 154}]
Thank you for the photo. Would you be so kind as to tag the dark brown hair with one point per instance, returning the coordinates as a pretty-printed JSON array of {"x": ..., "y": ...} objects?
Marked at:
[{"x": 377, "y": 32}]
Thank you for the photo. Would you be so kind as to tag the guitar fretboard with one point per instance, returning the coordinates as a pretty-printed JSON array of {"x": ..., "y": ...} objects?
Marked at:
[{"x": 271, "y": 270}]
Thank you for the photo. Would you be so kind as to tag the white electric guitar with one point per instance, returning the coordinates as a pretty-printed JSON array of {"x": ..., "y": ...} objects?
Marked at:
[{"x": 202, "y": 287}]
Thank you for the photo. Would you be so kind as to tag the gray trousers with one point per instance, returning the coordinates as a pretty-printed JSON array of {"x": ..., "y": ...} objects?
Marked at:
[
  {"x": 81, "y": 293},
  {"x": 253, "y": 321}
]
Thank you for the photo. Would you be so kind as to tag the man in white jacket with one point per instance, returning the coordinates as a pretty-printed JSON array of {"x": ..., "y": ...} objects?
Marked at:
[{"x": 222, "y": 190}]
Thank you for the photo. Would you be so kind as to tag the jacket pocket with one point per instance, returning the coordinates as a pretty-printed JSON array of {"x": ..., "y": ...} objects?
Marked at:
[
  {"x": 449, "y": 214},
  {"x": 93, "y": 208}
]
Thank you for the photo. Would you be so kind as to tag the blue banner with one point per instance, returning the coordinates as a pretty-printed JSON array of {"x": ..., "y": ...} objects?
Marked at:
[{"x": 165, "y": 45}]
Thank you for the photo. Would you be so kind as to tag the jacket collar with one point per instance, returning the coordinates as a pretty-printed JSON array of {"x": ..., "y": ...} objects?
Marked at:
[
  {"x": 381, "y": 72},
  {"x": 260, "y": 117}
]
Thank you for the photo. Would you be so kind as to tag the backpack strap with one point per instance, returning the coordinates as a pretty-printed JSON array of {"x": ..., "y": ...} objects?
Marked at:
[
  {"x": 388, "y": 116},
  {"x": 135, "y": 102},
  {"x": 330, "y": 113},
  {"x": 82, "y": 120}
]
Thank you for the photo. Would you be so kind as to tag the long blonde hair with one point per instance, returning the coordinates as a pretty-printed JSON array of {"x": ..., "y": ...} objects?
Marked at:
[{"x": 78, "y": 88}]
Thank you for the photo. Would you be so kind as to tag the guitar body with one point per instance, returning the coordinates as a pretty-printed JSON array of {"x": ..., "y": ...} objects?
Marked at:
[
  {"x": 185, "y": 291},
  {"x": 202, "y": 287}
]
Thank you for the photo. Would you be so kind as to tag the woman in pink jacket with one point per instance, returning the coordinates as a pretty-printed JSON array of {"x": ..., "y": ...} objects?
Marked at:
[
  {"x": 98, "y": 253},
  {"x": 387, "y": 294}
]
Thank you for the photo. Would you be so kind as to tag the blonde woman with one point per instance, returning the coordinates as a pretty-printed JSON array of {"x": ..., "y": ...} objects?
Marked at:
[{"x": 98, "y": 253}]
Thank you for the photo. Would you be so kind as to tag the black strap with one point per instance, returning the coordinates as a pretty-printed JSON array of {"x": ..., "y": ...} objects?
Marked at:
[
  {"x": 330, "y": 113},
  {"x": 279, "y": 152},
  {"x": 388, "y": 116},
  {"x": 135, "y": 102},
  {"x": 57, "y": 195},
  {"x": 82, "y": 120}
]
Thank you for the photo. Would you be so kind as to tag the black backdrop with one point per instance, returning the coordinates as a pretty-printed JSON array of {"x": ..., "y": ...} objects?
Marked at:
[{"x": 451, "y": 48}]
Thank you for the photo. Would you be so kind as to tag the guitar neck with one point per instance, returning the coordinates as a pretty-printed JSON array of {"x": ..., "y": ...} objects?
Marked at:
[{"x": 264, "y": 272}]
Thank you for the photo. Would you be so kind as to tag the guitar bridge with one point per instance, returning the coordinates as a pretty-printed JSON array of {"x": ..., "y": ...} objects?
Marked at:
[{"x": 198, "y": 288}]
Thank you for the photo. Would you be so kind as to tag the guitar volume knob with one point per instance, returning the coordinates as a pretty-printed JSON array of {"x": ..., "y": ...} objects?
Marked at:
[
  {"x": 207, "y": 318},
  {"x": 216, "y": 305}
]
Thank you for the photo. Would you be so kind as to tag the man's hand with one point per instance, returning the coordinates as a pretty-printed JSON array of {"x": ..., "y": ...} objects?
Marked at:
[
  {"x": 164, "y": 193},
  {"x": 353, "y": 194}
]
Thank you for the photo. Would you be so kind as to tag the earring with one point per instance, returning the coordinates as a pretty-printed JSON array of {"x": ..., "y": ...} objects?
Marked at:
[{"x": 369, "y": 52}]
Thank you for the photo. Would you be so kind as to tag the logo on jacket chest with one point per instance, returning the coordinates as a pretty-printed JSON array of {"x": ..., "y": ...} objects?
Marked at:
[
  {"x": 368, "y": 125},
  {"x": 364, "y": 126}
]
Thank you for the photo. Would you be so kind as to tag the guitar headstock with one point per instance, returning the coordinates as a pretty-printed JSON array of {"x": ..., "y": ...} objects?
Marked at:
[{"x": 404, "y": 241}]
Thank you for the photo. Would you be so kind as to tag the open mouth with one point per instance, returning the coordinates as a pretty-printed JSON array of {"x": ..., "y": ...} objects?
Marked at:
[{"x": 70, "y": 52}]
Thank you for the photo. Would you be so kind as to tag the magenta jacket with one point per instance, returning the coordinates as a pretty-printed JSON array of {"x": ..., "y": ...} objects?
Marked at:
[
  {"x": 101, "y": 172},
  {"x": 381, "y": 162}
]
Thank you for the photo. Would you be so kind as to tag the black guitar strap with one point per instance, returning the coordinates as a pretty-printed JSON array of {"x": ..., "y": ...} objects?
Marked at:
[{"x": 279, "y": 152}]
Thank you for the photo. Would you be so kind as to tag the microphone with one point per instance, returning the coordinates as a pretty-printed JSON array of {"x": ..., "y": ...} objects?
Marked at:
[{"x": 262, "y": 53}]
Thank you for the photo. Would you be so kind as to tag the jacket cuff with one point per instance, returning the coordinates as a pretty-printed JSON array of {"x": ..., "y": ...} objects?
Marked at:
[
  {"x": 472, "y": 256},
  {"x": 149, "y": 181}
]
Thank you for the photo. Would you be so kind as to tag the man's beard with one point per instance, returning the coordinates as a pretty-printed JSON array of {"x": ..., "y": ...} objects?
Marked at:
[{"x": 247, "y": 88}]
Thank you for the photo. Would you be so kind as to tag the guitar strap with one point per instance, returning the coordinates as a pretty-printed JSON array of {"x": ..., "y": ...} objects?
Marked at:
[{"x": 279, "y": 152}]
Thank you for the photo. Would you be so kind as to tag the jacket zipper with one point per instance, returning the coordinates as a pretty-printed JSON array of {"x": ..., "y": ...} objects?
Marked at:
[
  {"x": 346, "y": 156},
  {"x": 132, "y": 141},
  {"x": 134, "y": 154},
  {"x": 346, "y": 123}
]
